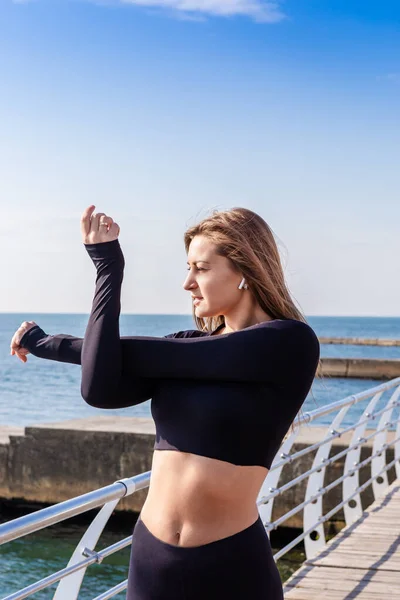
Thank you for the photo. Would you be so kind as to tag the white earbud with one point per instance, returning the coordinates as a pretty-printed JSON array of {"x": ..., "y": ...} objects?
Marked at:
[{"x": 243, "y": 284}]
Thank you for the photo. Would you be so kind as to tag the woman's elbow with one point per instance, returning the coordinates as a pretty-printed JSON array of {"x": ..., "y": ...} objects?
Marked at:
[{"x": 96, "y": 398}]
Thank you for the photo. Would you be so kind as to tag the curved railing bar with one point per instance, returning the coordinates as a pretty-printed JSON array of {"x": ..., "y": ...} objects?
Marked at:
[
  {"x": 321, "y": 492},
  {"x": 279, "y": 491},
  {"x": 12, "y": 530}
]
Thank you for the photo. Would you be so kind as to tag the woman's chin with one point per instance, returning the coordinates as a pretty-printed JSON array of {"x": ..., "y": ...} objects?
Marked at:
[{"x": 201, "y": 311}]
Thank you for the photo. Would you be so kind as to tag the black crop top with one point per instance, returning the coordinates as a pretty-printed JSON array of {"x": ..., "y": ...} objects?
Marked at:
[{"x": 230, "y": 397}]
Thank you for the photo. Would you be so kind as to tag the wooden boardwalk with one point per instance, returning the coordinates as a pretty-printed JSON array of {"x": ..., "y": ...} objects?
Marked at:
[{"x": 361, "y": 562}]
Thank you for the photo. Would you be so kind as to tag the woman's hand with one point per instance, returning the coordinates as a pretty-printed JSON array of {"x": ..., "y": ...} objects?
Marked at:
[
  {"x": 97, "y": 228},
  {"x": 15, "y": 346}
]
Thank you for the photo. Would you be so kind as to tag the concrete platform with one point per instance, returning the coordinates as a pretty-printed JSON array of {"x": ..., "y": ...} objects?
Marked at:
[
  {"x": 7, "y": 430},
  {"x": 355, "y": 341},
  {"x": 361, "y": 368},
  {"x": 103, "y": 423}
]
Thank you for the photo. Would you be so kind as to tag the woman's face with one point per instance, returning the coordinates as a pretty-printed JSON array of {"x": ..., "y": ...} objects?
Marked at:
[{"x": 212, "y": 278}]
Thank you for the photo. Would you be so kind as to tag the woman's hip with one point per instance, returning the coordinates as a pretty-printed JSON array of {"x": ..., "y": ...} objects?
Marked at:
[{"x": 238, "y": 566}]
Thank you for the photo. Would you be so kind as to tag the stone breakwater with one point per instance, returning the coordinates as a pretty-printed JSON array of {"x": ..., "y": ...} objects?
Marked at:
[
  {"x": 361, "y": 368},
  {"x": 54, "y": 462},
  {"x": 353, "y": 341}
]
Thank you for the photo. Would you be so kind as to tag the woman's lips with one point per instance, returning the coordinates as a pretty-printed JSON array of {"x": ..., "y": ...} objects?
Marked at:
[{"x": 197, "y": 300}]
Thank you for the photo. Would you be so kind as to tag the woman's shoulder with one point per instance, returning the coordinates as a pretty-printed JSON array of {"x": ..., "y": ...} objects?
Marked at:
[
  {"x": 287, "y": 329},
  {"x": 290, "y": 330},
  {"x": 187, "y": 333},
  {"x": 284, "y": 324}
]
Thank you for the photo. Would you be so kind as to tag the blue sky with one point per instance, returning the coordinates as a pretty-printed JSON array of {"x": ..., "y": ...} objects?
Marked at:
[{"x": 159, "y": 111}]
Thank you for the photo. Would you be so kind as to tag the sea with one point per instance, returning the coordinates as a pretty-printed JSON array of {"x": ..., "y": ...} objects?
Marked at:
[{"x": 42, "y": 391}]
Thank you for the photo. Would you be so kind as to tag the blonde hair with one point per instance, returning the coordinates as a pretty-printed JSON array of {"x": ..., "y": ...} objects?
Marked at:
[{"x": 247, "y": 241}]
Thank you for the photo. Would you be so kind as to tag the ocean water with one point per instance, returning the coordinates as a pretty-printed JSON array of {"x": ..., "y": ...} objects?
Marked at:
[
  {"x": 42, "y": 391},
  {"x": 40, "y": 554}
]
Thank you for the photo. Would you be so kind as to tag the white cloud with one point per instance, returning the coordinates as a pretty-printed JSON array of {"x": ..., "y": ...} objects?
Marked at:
[{"x": 264, "y": 11}]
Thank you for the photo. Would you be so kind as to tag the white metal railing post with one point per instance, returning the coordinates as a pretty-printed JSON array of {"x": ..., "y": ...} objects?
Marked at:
[
  {"x": 381, "y": 482},
  {"x": 312, "y": 515},
  {"x": 70, "y": 585},
  {"x": 397, "y": 450},
  {"x": 272, "y": 479},
  {"x": 353, "y": 508}
]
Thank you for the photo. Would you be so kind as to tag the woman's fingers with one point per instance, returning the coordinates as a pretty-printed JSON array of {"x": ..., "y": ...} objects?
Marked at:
[
  {"x": 21, "y": 356},
  {"x": 86, "y": 220},
  {"x": 105, "y": 221},
  {"x": 15, "y": 345},
  {"x": 16, "y": 339},
  {"x": 98, "y": 227},
  {"x": 114, "y": 229},
  {"x": 20, "y": 353},
  {"x": 95, "y": 223}
]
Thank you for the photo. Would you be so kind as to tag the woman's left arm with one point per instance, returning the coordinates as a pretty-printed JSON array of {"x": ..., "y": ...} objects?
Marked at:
[{"x": 101, "y": 355}]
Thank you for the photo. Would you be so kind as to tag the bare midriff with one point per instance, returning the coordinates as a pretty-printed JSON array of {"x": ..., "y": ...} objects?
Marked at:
[{"x": 193, "y": 500}]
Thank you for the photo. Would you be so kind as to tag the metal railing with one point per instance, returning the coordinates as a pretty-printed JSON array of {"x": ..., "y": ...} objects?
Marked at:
[{"x": 70, "y": 578}]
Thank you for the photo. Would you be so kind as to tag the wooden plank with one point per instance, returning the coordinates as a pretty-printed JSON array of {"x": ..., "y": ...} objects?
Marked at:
[
  {"x": 333, "y": 573},
  {"x": 362, "y": 562},
  {"x": 349, "y": 586},
  {"x": 391, "y": 564},
  {"x": 309, "y": 594}
]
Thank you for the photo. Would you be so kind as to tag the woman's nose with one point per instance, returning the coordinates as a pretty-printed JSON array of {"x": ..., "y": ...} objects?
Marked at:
[{"x": 189, "y": 283}]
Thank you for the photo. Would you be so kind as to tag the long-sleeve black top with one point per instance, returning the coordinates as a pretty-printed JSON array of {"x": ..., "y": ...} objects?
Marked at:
[{"x": 230, "y": 397}]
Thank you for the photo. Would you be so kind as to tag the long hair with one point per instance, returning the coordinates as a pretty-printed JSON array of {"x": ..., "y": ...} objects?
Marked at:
[{"x": 247, "y": 241}]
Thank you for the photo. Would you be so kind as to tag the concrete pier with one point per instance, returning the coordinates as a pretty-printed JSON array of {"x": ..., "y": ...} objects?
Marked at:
[
  {"x": 361, "y": 368},
  {"x": 54, "y": 462},
  {"x": 354, "y": 341}
]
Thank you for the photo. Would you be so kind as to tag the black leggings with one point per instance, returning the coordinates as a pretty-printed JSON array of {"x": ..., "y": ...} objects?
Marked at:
[{"x": 238, "y": 567}]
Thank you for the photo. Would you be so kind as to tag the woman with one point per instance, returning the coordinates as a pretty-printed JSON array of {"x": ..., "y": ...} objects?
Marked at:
[{"x": 223, "y": 397}]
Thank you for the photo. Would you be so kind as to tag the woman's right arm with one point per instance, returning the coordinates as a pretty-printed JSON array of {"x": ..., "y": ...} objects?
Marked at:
[
  {"x": 67, "y": 348},
  {"x": 62, "y": 347}
]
